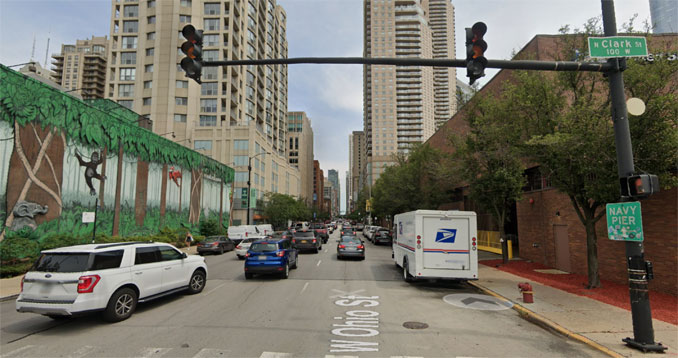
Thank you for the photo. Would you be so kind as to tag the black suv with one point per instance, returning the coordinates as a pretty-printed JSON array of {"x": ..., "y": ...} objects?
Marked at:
[{"x": 307, "y": 240}]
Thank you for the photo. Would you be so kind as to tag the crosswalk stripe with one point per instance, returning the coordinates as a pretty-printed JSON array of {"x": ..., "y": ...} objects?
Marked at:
[
  {"x": 211, "y": 353},
  {"x": 154, "y": 352},
  {"x": 275, "y": 355},
  {"x": 16, "y": 352}
]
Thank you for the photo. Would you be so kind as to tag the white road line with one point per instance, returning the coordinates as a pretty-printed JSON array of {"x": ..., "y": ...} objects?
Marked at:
[
  {"x": 154, "y": 352},
  {"x": 211, "y": 353},
  {"x": 333, "y": 356},
  {"x": 274, "y": 355},
  {"x": 84, "y": 351},
  {"x": 319, "y": 261},
  {"x": 305, "y": 286},
  {"x": 214, "y": 289},
  {"x": 326, "y": 250},
  {"x": 16, "y": 352}
]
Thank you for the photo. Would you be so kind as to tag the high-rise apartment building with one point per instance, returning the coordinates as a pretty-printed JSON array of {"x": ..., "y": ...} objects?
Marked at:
[
  {"x": 82, "y": 67},
  {"x": 238, "y": 115},
  {"x": 357, "y": 158},
  {"x": 347, "y": 195},
  {"x": 664, "y": 14},
  {"x": 318, "y": 187},
  {"x": 333, "y": 177},
  {"x": 402, "y": 105},
  {"x": 300, "y": 151}
]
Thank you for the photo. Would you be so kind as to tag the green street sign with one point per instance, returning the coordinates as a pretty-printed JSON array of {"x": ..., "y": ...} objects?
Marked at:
[
  {"x": 624, "y": 221},
  {"x": 617, "y": 46}
]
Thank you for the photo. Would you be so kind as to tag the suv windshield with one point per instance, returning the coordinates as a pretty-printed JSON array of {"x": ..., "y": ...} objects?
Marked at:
[
  {"x": 62, "y": 262},
  {"x": 263, "y": 247}
]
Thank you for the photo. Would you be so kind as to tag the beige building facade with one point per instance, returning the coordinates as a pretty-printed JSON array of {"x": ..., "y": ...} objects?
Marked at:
[
  {"x": 300, "y": 151},
  {"x": 357, "y": 158},
  {"x": 403, "y": 104},
  {"x": 238, "y": 114},
  {"x": 82, "y": 67}
]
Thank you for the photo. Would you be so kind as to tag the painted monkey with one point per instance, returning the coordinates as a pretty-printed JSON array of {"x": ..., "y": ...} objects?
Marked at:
[{"x": 91, "y": 170}]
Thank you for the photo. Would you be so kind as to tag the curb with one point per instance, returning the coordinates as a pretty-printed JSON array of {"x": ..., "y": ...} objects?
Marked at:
[
  {"x": 9, "y": 298},
  {"x": 546, "y": 323}
]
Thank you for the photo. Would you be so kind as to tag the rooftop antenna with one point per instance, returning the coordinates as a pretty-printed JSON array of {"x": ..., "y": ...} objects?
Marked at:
[
  {"x": 33, "y": 50},
  {"x": 46, "y": 53}
]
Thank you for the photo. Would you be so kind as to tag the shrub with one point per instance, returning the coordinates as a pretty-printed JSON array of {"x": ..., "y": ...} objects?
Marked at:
[
  {"x": 16, "y": 247},
  {"x": 11, "y": 270},
  {"x": 211, "y": 227},
  {"x": 60, "y": 240}
]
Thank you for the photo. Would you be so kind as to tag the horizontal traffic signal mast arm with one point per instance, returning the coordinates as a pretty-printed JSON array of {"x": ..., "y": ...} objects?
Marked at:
[{"x": 513, "y": 65}]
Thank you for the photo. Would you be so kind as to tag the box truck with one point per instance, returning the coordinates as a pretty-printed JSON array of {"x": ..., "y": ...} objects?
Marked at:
[{"x": 431, "y": 244}]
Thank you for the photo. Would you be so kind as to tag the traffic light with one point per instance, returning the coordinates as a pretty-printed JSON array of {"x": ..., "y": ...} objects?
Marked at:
[
  {"x": 475, "y": 51},
  {"x": 642, "y": 185},
  {"x": 192, "y": 63}
]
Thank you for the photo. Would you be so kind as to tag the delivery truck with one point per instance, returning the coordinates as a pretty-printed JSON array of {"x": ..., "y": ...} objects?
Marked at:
[{"x": 431, "y": 244}]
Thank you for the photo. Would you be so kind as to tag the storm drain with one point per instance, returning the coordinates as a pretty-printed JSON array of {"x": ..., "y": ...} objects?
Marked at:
[{"x": 415, "y": 325}]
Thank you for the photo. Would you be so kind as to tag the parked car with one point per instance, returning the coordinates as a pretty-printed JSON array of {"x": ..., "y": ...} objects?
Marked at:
[
  {"x": 307, "y": 240},
  {"x": 359, "y": 227},
  {"x": 243, "y": 247},
  {"x": 320, "y": 231},
  {"x": 350, "y": 246},
  {"x": 271, "y": 256},
  {"x": 366, "y": 229},
  {"x": 382, "y": 235},
  {"x": 371, "y": 232},
  {"x": 111, "y": 278},
  {"x": 215, "y": 245}
]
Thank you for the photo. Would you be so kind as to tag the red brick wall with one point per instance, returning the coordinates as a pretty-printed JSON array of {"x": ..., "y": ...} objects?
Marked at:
[{"x": 535, "y": 232}]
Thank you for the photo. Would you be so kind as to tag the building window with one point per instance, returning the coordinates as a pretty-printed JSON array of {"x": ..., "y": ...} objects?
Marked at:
[
  {"x": 210, "y": 40},
  {"x": 181, "y": 101},
  {"x": 209, "y": 89},
  {"x": 127, "y": 74},
  {"x": 151, "y": 20},
  {"x": 150, "y": 51},
  {"x": 202, "y": 145},
  {"x": 129, "y": 42},
  {"x": 147, "y": 101},
  {"x": 181, "y": 118},
  {"x": 130, "y": 26},
  {"x": 212, "y": 8},
  {"x": 131, "y": 11},
  {"x": 210, "y": 73},
  {"x": 125, "y": 90},
  {"x": 148, "y": 84},
  {"x": 184, "y": 18},
  {"x": 211, "y": 24},
  {"x": 128, "y": 58},
  {"x": 126, "y": 103},
  {"x": 240, "y": 160},
  {"x": 210, "y": 55},
  {"x": 240, "y": 145},
  {"x": 150, "y": 36},
  {"x": 240, "y": 177},
  {"x": 186, "y": 3},
  {"x": 151, "y": 4},
  {"x": 208, "y": 121},
  {"x": 208, "y": 105},
  {"x": 148, "y": 68},
  {"x": 182, "y": 84}
]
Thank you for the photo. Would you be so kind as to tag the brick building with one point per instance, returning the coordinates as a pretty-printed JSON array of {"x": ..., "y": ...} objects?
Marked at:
[{"x": 547, "y": 226}]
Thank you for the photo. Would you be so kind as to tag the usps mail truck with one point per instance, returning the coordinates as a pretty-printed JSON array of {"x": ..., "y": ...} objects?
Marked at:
[{"x": 431, "y": 244}]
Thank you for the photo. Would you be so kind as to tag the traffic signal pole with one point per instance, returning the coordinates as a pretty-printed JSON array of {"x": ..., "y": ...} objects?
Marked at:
[{"x": 643, "y": 333}]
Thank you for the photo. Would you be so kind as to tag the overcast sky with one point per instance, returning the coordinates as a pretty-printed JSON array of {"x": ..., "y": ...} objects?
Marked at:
[{"x": 331, "y": 95}]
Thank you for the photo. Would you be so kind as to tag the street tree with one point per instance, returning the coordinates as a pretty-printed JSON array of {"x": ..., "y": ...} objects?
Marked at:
[{"x": 280, "y": 208}]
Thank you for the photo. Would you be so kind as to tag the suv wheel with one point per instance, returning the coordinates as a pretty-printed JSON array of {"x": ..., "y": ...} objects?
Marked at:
[
  {"x": 296, "y": 263},
  {"x": 197, "y": 282},
  {"x": 248, "y": 276},
  {"x": 286, "y": 273},
  {"x": 121, "y": 305}
]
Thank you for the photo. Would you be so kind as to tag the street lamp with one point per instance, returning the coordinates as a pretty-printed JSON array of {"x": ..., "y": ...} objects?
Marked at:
[
  {"x": 249, "y": 183},
  {"x": 172, "y": 133}
]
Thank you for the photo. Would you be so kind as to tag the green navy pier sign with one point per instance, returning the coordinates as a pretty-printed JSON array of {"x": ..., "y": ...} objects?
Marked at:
[
  {"x": 617, "y": 46},
  {"x": 624, "y": 221}
]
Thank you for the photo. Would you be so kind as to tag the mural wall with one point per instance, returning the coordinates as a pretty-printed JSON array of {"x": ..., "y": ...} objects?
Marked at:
[{"x": 60, "y": 157}]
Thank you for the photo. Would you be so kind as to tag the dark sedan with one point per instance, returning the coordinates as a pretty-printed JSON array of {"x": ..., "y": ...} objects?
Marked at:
[
  {"x": 350, "y": 246},
  {"x": 382, "y": 236},
  {"x": 215, "y": 245}
]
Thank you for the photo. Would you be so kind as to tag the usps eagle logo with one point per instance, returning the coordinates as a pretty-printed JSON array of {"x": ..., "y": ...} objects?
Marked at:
[{"x": 446, "y": 235}]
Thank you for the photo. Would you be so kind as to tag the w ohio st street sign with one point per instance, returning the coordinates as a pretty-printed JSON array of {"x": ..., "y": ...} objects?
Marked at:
[
  {"x": 617, "y": 46},
  {"x": 624, "y": 221}
]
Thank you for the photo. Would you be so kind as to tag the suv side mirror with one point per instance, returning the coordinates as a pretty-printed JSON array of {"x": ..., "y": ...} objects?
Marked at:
[{"x": 183, "y": 255}]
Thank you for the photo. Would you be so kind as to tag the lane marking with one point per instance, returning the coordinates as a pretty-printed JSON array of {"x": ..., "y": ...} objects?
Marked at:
[
  {"x": 155, "y": 352},
  {"x": 341, "y": 293},
  {"x": 211, "y": 352},
  {"x": 214, "y": 289},
  {"x": 84, "y": 351},
  {"x": 304, "y": 289},
  {"x": 16, "y": 352},
  {"x": 319, "y": 261},
  {"x": 326, "y": 250},
  {"x": 274, "y": 355},
  {"x": 333, "y": 356}
]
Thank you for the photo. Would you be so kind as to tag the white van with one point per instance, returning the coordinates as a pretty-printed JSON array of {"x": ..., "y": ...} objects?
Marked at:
[
  {"x": 238, "y": 233},
  {"x": 265, "y": 229},
  {"x": 434, "y": 244}
]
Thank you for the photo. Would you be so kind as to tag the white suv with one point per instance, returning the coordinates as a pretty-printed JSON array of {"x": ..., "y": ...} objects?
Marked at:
[{"x": 107, "y": 277}]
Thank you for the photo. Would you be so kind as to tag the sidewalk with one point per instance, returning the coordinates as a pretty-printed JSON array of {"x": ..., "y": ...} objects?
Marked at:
[
  {"x": 10, "y": 287},
  {"x": 595, "y": 323}
]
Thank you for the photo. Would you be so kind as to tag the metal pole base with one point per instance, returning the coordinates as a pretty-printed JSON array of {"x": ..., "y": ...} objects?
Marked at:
[{"x": 645, "y": 347}]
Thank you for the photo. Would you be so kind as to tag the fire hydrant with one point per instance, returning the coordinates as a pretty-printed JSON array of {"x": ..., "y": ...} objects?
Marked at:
[{"x": 526, "y": 290}]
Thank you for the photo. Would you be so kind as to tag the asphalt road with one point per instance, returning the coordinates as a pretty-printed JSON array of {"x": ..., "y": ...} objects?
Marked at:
[{"x": 317, "y": 312}]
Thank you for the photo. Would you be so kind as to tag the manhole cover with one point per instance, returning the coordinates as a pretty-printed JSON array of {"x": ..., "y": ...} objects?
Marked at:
[{"x": 415, "y": 325}]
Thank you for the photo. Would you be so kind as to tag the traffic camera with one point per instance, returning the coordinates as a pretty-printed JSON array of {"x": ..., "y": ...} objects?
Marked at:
[
  {"x": 192, "y": 63},
  {"x": 475, "y": 51}
]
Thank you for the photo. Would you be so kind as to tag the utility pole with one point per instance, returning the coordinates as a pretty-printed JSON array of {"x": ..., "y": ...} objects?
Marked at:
[
  {"x": 643, "y": 333},
  {"x": 249, "y": 183}
]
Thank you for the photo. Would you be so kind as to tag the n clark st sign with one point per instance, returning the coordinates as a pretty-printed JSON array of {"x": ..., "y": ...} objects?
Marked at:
[{"x": 617, "y": 46}]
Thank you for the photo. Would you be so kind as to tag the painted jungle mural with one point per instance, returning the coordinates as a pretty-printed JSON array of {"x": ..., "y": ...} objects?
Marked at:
[{"x": 61, "y": 156}]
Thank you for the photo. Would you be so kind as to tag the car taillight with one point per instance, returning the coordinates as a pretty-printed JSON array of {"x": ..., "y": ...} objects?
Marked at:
[
  {"x": 215, "y": 243},
  {"x": 280, "y": 253},
  {"x": 238, "y": 247},
  {"x": 294, "y": 241},
  {"x": 247, "y": 254},
  {"x": 87, "y": 283},
  {"x": 22, "y": 283},
  {"x": 354, "y": 233},
  {"x": 313, "y": 240},
  {"x": 342, "y": 246},
  {"x": 361, "y": 247}
]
